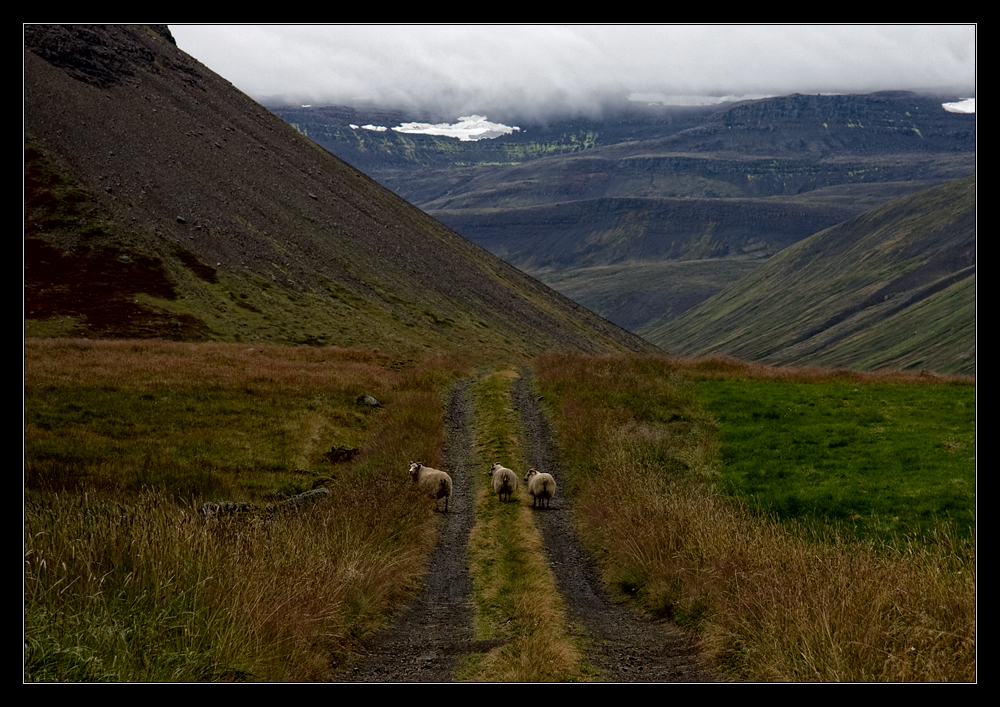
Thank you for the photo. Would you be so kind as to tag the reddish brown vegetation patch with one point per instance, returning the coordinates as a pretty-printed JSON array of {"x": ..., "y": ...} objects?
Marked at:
[
  {"x": 729, "y": 368},
  {"x": 99, "y": 286}
]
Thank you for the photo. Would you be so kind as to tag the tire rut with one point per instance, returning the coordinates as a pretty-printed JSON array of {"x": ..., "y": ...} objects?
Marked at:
[
  {"x": 426, "y": 640},
  {"x": 626, "y": 645}
]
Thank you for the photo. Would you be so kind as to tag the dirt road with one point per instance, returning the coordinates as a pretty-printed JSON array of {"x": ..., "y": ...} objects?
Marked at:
[
  {"x": 426, "y": 640},
  {"x": 626, "y": 645}
]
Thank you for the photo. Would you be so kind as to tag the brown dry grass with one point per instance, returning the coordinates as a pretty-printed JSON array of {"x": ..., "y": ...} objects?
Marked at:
[
  {"x": 166, "y": 363},
  {"x": 124, "y": 585},
  {"x": 772, "y": 602},
  {"x": 728, "y": 368}
]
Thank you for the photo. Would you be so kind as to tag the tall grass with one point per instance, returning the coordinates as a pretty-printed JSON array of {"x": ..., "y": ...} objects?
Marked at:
[
  {"x": 127, "y": 581},
  {"x": 146, "y": 590},
  {"x": 771, "y": 601}
]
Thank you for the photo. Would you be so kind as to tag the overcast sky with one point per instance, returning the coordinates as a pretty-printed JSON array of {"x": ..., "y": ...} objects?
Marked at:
[{"x": 528, "y": 70}]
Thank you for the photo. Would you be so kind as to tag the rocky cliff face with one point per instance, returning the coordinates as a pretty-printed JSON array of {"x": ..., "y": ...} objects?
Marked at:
[{"x": 884, "y": 123}]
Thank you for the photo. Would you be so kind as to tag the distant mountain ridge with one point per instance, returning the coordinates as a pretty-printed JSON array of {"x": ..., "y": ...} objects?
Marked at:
[
  {"x": 648, "y": 185},
  {"x": 750, "y": 148},
  {"x": 893, "y": 287},
  {"x": 161, "y": 201},
  {"x": 824, "y": 125}
]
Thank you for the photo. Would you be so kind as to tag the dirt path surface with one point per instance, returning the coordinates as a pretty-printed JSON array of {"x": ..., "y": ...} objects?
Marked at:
[
  {"x": 628, "y": 646},
  {"x": 427, "y": 639}
]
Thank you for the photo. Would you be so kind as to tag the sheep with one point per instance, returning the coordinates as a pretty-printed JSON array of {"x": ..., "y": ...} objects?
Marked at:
[
  {"x": 542, "y": 487},
  {"x": 435, "y": 482},
  {"x": 504, "y": 481}
]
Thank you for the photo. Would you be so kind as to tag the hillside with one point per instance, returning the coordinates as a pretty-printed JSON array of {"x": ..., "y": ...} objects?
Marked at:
[
  {"x": 162, "y": 202},
  {"x": 653, "y": 187},
  {"x": 894, "y": 286}
]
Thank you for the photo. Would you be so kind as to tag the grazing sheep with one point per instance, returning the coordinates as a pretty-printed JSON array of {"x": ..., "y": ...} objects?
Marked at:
[
  {"x": 435, "y": 482},
  {"x": 504, "y": 481},
  {"x": 542, "y": 487}
]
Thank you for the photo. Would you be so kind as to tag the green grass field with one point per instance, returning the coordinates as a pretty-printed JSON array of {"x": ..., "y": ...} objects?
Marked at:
[{"x": 881, "y": 459}]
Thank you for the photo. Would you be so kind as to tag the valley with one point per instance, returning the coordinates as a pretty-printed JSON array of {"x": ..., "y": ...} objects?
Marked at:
[
  {"x": 646, "y": 212},
  {"x": 641, "y": 570},
  {"x": 235, "y": 343}
]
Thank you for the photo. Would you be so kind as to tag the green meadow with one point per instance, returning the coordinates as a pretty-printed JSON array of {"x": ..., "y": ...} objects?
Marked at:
[{"x": 882, "y": 460}]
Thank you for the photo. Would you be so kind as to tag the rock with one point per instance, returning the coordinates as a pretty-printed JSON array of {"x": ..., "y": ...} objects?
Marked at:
[
  {"x": 303, "y": 499},
  {"x": 339, "y": 454},
  {"x": 211, "y": 509}
]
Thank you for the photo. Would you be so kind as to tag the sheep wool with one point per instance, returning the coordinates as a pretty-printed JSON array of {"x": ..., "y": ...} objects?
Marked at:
[
  {"x": 435, "y": 482},
  {"x": 504, "y": 481},
  {"x": 542, "y": 487}
]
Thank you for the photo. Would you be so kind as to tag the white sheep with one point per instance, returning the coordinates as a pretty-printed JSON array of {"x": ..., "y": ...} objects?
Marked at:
[
  {"x": 504, "y": 481},
  {"x": 542, "y": 487},
  {"x": 435, "y": 482}
]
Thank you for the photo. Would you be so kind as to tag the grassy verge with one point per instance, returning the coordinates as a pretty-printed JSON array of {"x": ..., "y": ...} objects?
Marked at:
[
  {"x": 126, "y": 581},
  {"x": 517, "y": 603},
  {"x": 772, "y": 601}
]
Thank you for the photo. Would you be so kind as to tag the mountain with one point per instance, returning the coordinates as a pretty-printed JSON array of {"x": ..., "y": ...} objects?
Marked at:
[
  {"x": 893, "y": 287},
  {"x": 160, "y": 201},
  {"x": 657, "y": 190}
]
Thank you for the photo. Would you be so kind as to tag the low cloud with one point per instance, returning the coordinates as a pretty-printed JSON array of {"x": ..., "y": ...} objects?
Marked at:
[{"x": 534, "y": 70}]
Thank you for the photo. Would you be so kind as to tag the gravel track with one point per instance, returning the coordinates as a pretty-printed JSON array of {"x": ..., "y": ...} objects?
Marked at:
[
  {"x": 626, "y": 645},
  {"x": 425, "y": 641}
]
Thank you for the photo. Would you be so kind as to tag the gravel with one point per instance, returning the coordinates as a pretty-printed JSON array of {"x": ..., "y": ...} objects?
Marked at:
[{"x": 425, "y": 641}]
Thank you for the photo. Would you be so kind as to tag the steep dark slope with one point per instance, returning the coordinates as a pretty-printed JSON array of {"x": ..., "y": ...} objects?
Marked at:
[
  {"x": 894, "y": 286},
  {"x": 161, "y": 201}
]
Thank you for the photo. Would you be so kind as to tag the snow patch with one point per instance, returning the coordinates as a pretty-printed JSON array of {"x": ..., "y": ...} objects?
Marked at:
[
  {"x": 967, "y": 105},
  {"x": 467, "y": 129}
]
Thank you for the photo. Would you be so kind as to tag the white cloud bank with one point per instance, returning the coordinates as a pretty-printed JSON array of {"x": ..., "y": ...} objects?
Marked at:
[{"x": 535, "y": 70}]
